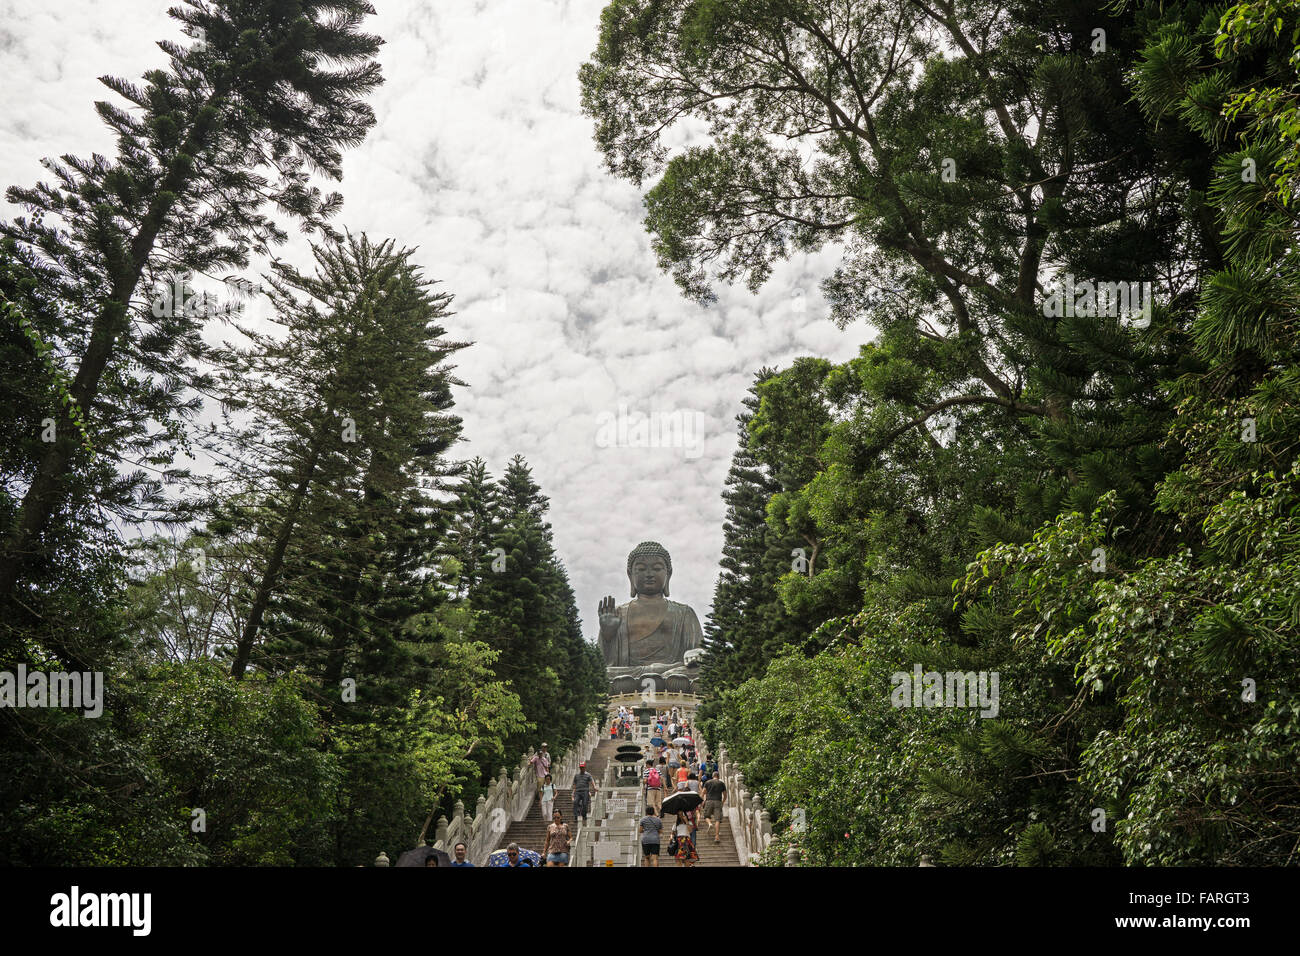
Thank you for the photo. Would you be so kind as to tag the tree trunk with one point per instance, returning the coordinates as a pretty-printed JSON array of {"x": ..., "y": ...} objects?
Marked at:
[
  {"x": 271, "y": 574},
  {"x": 339, "y": 645},
  {"x": 45, "y": 494}
]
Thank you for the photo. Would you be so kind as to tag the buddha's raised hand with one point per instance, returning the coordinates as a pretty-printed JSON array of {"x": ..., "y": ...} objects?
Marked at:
[{"x": 608, "y": 616}]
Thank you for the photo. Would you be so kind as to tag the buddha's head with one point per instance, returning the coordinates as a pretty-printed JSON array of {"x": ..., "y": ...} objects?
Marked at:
[{"x": 649, "y": 568}]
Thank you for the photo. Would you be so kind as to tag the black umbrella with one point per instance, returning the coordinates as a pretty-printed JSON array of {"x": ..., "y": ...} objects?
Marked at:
[
  {"x": 420, "y": 856},
  {"x": 683, "y": 801}
]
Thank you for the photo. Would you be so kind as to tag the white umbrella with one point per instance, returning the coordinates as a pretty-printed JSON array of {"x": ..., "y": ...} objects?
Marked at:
[{"x": 681, "y": 741}]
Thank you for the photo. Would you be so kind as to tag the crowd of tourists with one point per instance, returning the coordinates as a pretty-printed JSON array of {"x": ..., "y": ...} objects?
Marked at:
[
  {"x": 671, "y": 766},
  {"x": 620, "y": 726},
  {"x": 555, "y": 851}
]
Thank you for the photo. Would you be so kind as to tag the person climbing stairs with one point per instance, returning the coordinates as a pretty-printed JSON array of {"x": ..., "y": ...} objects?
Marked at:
[
  {"x": 715, "y": 854},
  {"x": 530, "y": 832}
]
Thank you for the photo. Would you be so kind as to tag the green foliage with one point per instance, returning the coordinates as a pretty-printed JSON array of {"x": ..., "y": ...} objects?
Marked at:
[
  {"x": 409, "y": 761},
  {"x": 526, "y": 611},
  {"x": 205, "y": 146},
  {"x": 314, "y": 560},
  {"x": 1034, "y": 848},
  {"x": 58, "y": 378},
  {"x": 174, "y": 738},
  {"x": 1199, "y": 773},
  {"x": 248, "y": 755},
  {"x": 1120, "y": 523}
]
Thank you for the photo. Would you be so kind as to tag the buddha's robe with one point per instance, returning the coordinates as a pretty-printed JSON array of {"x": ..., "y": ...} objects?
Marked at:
[{"x": 677, "y": 633}]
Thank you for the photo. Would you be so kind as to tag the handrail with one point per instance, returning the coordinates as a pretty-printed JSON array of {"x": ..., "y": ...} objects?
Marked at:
[
  {"x": 508, "y": 800},
  {"x": 751, "y": 824}
]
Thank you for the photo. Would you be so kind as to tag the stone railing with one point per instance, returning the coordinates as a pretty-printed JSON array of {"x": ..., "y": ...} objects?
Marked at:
[
  {"x": 507, "y": 800},
  {"x": 751, "y": 824},
  {"x": 586, "y": 837}
]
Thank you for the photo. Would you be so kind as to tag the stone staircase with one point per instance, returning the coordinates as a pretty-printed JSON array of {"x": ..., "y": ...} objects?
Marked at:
[
  {"x": 530, "y": 832},
  {"x": 601, "y": 757},
  {"x": 714, "y": 854}
]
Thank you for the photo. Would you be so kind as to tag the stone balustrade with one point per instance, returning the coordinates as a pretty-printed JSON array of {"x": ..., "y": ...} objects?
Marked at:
[
  {"x": 510, "y": 796},
  {"x": 620, "y": 829},
  {"x": 507, "y": 800},
  {"x": 751, "y": 824}
]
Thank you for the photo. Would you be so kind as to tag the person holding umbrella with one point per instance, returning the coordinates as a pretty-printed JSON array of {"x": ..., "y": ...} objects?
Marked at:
[
  {"x": 513, "y": 857},
  {"x": 683, "y": 845},
  {"x": 677, "y": 807},
  {"x": 422, "y": 855}
]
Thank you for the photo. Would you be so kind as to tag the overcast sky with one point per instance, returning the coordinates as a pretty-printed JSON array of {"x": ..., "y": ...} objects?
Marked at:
[{"x": 482, "y": 159}]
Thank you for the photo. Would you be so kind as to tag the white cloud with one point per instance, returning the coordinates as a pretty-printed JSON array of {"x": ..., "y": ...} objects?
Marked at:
[{"x": 482, "y": 159}]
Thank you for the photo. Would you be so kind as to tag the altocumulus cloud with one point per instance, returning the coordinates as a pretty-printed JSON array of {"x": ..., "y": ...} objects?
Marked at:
[{"x": 481, "y": 158}]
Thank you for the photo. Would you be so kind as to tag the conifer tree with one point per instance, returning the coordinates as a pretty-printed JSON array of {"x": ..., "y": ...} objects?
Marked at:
[
  {"x": 234, "y": 124},
  {"x": 472, "y": 526},
  {"x": 960, "y": 187},
  {"x": 526, "y": 612},
  {"x": 350, "y": 426},
  {"x": 746, "y": 614}
]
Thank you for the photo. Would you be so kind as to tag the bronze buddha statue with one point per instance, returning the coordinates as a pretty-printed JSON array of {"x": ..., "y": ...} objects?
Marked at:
[{"x": 650, "y": 634}]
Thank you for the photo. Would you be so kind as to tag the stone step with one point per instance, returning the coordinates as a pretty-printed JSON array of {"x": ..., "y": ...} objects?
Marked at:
[
  {"x": 711, "y": 854},
  {"x": 530, "y": 833}
]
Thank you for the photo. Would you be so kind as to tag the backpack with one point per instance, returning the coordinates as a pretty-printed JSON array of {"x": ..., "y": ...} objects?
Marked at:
[{"x": 652, "y": 779}]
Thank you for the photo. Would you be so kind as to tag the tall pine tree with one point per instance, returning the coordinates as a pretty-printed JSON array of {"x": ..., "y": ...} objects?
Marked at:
[
  {"x": 233, "y": 125},
  {"x": 350, "y": 429},
  {"x": 526, "y": 611}
]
